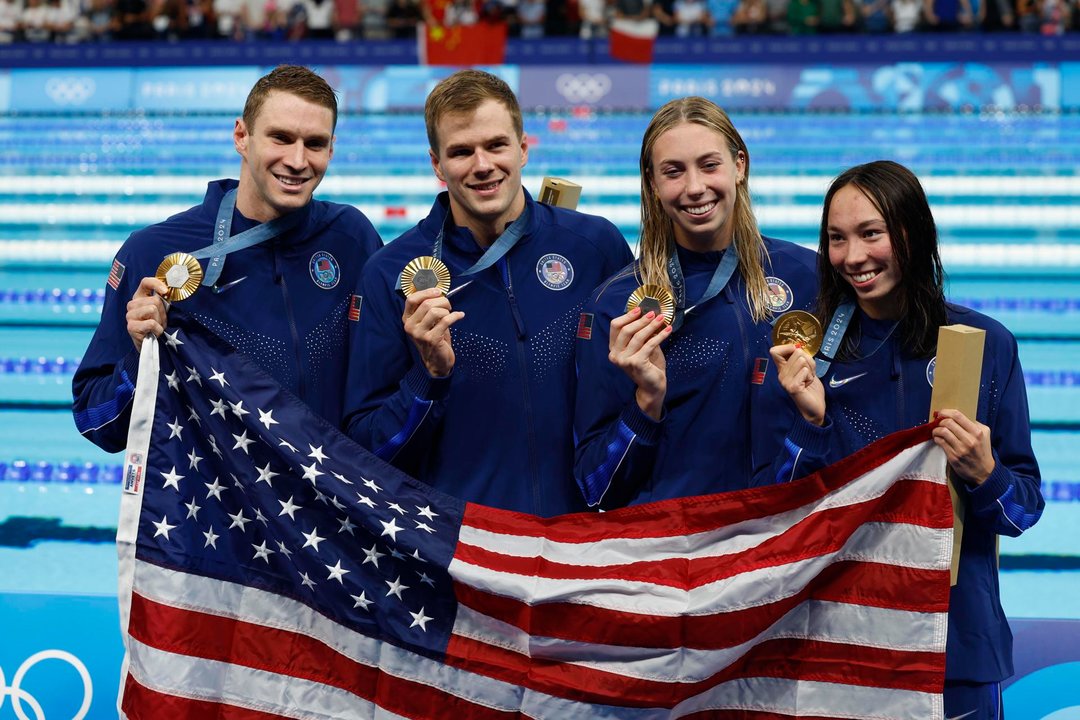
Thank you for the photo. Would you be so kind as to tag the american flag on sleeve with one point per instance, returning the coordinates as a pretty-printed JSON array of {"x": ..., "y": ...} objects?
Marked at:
[{"x": 271, "y": 568}]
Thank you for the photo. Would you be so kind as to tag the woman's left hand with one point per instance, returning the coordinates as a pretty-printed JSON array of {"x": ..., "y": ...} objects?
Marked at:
[{"x": 966, "y": 444}]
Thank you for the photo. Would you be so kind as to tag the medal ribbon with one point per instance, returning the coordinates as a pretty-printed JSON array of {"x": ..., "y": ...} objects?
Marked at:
[
  {"x": 838, "y": 325},
  {"x": 224, "y": 244},
  {"x": 502, "y": 245},
  {"x": 720, "y": 278}
]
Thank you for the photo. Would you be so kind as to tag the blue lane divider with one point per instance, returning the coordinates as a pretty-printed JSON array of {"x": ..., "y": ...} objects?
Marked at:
[
  {"x": 43, "y": 471},
  {"x": 54, "y": 296},
  {"x": 39, "y": 366},
  {"x": 1020, "y": 304}
]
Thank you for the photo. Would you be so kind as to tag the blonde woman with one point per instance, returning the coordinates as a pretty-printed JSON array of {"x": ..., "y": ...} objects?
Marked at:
[{"x": 663, "y": 399}]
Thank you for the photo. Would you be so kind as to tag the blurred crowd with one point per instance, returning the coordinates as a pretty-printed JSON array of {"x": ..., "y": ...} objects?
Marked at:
[{"x": 107, "y": 20}]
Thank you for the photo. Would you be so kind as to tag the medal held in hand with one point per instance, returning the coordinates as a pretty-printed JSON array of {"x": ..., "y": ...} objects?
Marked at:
[
  {"x": 655, "y": 298},
  {"x": 182, "y": 273},
  {"x": 424, "y": 273},
  {"x": 798, "y": 328}
]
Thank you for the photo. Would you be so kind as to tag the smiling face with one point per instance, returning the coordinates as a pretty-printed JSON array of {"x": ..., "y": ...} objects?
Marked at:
[
  {"x": 285, "y": 153},
  {"x": 860, "y": 251},
  {"x": 480, "y": 157},
  {"x": 694, "y": 175}
]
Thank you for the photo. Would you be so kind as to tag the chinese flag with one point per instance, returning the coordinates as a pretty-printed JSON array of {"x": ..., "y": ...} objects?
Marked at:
[
  {"x": 481, "y": 44},
  {"x": 632, "y": 40}
]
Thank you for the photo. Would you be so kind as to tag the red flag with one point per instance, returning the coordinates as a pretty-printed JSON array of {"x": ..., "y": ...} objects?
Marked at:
[
  {"x": 632, "y": 40},
  {"x": 271, "y": 568},
  {"x": 483, "y": 43}
]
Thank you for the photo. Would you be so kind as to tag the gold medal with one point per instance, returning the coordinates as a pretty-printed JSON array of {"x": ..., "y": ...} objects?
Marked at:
[
  {"x": 423, "y": 273},
  {"x": 656, "y": 298},
  {"x": 798, "y": 328},
  {"x": 182, "y": 273}
]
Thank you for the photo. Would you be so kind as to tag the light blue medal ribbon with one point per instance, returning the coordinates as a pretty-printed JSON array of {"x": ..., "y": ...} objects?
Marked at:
[
  {"x": 502, "y": 245},
  {"x": 720, "y": 278},
  {"x": 834, "y": 335},
  {"x": 224, "y": 244}
]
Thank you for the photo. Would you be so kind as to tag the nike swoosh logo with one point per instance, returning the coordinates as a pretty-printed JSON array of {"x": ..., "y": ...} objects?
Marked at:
[
  {"x": 834, "y": 383},
  {"x": 958, "y": 717},
  {"x": 222, "y": 288}
]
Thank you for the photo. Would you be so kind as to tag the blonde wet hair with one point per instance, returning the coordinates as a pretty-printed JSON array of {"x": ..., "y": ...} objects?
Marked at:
[{"x": 657, "y": 239}]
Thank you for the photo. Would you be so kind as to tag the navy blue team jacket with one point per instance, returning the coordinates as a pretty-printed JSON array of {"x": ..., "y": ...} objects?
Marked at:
[
  {"x": 497, "y": 431},
  {"x": 283, "y": 302},
  {"x": 715, "y": 364}
]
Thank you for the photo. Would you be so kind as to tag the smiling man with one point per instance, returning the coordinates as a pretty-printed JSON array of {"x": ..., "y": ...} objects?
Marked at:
[
  {"x": 283, "y": 299},
  {"x": 474, "y": 393}
]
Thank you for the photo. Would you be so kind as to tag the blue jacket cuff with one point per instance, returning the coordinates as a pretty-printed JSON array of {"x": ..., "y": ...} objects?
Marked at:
[
  {"x": 644, "y": 427},
  {"x": 426, "y": 387}
]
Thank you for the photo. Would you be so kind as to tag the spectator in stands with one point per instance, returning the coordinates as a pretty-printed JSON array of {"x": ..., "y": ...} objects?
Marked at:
[
  {"x": 874, "y": 16},
  {"x": 1027, "y": 16},
  {"x": 34, "y": 22},
  {"x": 99, "y": 21},
  {"x": 531, "y": 15},
  {"x": 60, "y": 16},
  {"x": 751, "y": 17},
  {"x": 1054, "y": 14},
  {"x": 231, "y": 18},
  {"x": 371, "y": 23},
  {"x": 633, "y": 9},
  {"x": 803, "y": 17},
  {"x": 906, "y": 15},
  {"x": 319, "y": 19},
  {"x": 836, "y": 16},
  {"x": 593, "y": 18},
  {"x": 461, "y": 12},
  {"x": 721, "y": 11},
  {"x": 201, "y": 23},
  {"x": 777, "y": 13},
  {"x": 10, "y": 17},
  {"x": 692, "y": 18},
  {"x": 168, "y": 18},
  {"x": 664, "y": 12},
  {"x": 944, "y": 15},
  {"x": 402, "y": 17}
]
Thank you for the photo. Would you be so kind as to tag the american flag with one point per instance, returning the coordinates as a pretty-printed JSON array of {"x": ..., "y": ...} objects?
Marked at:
[
  {"x": 272, "y": 568},
  {"x": 116, "y": 273}
]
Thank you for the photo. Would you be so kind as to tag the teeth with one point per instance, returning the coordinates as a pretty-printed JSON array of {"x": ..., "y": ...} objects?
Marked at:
[
  {"x": 700, "y": 209},
  {"x": 863, "y": 277},
  {"x": 290, "y": 181},
  {"x": 484, "y": 188}
]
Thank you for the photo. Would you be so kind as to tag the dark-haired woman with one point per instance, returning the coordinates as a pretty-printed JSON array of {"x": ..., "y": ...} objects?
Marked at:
[{"x": 879, "y": 267}]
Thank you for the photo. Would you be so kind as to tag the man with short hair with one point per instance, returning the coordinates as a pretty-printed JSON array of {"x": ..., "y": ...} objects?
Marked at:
[
  {"x": 282, "y": 300},
  {"x": 474, "y": 394}
]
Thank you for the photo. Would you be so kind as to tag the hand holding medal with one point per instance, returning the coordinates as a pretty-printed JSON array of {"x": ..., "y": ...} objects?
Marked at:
[
  {"x": 796, "y": 337},
  {"x": 654, "y": 298},
  {"x": 798, "y": 328},
  {"x": 182, "y": 274}
]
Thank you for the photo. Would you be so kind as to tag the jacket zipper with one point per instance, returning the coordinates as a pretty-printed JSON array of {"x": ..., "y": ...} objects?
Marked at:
[
  {"x": 279, "y": 278},
  {"x": 519, "y": 324}
]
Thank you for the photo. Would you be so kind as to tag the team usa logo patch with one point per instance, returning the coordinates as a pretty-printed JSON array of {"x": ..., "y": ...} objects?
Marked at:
[
  {"x": 324, "y": 270},
  {"x": 778, "y": 294},
  {"x": 116, "y": 274},
  {"x": 930, "y": 366},
  {"x": 584, "y": 326},
  {"x": 555, "y": 272},
  {"x": 355, "y": 301},
  {"x": 761, "y": 364}
]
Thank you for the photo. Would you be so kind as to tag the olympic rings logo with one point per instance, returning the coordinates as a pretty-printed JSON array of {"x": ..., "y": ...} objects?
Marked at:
[
  {"x": 20, "y": 696},
  {"x": 70, "y": 90},
  {"x": 583, "y": 87}
]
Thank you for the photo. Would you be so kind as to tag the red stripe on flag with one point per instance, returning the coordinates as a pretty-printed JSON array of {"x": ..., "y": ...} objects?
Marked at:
[
  {"x": 212, "y": 637},
  {"x": 685, "y": 516},
  {"x": 869, "y": 584},
  {"x": 820, "y": 533},
  {"x": 789, "y": 658},
  {"x": 142, "y": 703}
]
